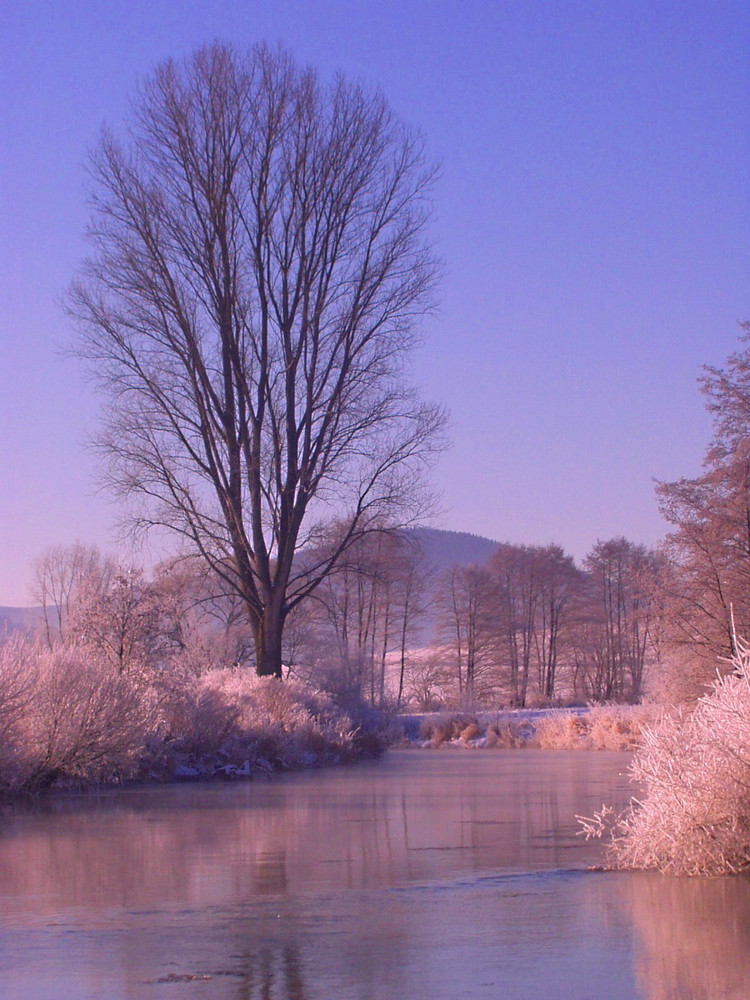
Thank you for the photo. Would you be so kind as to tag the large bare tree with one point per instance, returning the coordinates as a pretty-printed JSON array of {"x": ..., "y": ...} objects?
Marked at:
[{"x": 260, "y": 267}]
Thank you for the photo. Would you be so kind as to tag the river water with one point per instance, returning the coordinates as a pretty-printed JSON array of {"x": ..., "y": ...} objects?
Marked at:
[{"x": 432, "y": 875}]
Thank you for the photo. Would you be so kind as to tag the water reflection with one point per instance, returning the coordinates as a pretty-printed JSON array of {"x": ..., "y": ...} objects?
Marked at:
[
  {"x": 693, "y": 937},
  {"x": 430, "y": 874}
]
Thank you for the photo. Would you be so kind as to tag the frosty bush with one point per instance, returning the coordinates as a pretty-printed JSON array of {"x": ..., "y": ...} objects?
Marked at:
[
  {"x": 694, "y": 817},
  {"x": 16, "y": 693},
  {"x": 198, "y": 718},
  {"x": 245, "y": 717},
  {"x": 68, "y": 717}
]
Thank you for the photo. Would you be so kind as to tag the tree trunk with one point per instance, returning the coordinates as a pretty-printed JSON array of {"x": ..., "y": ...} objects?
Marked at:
[{"x": 268, "y": 632}]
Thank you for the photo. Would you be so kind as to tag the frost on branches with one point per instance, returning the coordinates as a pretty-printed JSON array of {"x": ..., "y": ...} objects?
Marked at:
[{"x": 694, "y": 769}]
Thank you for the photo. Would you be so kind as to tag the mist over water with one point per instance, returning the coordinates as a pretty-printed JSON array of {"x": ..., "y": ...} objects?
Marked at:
[{"x": 437, "y": 874}]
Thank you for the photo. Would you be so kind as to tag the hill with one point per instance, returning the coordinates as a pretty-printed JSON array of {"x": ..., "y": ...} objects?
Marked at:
[
  {"x": 453, "y": 548},
  {"x": 19, "y": 619}
]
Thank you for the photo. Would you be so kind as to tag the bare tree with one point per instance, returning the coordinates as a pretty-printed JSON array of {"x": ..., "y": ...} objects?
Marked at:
[
  {"x": 561, "y": 582},
  {"x": 412, "y": 598},
  {"x": 60, "y": 573},
  {"x": 622, "y": 579},
  {"x": 466, "y": 600},
  {"x": 518, "y": 576},
  {"x": 706, "y": 591},
  {"x": 260, "y": 268},
  {"x": 363, "y": 613}
]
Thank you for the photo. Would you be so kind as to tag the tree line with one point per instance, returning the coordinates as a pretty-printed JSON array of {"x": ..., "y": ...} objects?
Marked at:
[{"x": 526, "y": 626}]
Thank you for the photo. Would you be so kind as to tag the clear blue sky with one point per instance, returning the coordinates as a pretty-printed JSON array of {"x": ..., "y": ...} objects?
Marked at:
[{"x": 593, "y": 215}]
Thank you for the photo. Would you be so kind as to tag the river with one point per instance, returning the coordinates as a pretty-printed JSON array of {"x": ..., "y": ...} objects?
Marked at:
[{"x": 429, "y": 875}]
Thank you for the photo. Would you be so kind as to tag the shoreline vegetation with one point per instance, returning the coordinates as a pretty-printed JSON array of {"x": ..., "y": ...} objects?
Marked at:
[
  {"x": 68, "y": 720},
  {"x": 596, "y": 727},
  {"x": 693, "y": 766}
]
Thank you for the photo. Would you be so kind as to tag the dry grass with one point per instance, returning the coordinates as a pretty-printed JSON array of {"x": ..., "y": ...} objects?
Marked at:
[
  {"x": 439, "y": 729},
  {"x": 509, "y": 734},
  {"x": 602, "y": 727}
]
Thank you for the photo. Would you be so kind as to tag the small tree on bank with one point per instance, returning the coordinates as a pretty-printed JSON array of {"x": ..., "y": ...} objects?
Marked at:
[{"x": 260, "y": 265}]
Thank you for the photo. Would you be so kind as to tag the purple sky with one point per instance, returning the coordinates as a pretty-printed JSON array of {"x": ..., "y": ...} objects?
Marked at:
[{"x": 593, "y": 215}]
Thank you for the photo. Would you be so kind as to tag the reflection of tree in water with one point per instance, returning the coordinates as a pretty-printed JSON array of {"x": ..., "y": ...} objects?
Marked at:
[
  {"x": 693, "y": 937},
  {"x": 273, "y": 973}
]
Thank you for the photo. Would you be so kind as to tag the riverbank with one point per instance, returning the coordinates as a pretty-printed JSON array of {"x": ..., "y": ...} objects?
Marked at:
[
  {"x": 600, "y": 727},
  {"x": 69, "y": 720}
]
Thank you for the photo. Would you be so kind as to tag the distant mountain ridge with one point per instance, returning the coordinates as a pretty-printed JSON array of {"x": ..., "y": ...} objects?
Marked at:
[
  {"x": 20, "y": 619},
  {"x": 444, "y": 549}
]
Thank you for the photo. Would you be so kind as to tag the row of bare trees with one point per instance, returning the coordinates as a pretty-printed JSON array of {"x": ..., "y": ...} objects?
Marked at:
[
  {"x": 526, "y": 626},
  {"x": 529, "y": 623}
]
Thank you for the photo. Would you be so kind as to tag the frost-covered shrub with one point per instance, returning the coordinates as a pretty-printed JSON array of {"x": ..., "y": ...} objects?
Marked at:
[
  {"x": 694, "y": 769},
  {"x": 87, "y": 723},
  {"x": 74, "y": 718},
  {"x": 70, "y": 716},
  {"x": 198, "y": 719},
  {"x": 243, "y": 717},
  {"x": 265, "y": 702}
]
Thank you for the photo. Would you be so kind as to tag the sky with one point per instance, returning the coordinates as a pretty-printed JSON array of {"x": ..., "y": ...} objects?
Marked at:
[{"x": 592, "y": 215}]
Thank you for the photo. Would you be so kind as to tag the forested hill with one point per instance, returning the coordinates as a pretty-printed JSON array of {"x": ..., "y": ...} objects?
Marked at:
[
  {"x": 19, "y": 619},
  {"x": 444, "y": 549}
]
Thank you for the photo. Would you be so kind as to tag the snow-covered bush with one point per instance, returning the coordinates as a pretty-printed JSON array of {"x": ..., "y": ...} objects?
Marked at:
[
  {"x": 694, "y": 769},
  {"x": 69, "y": 717},
  {"x": 240, "y": 716},
  {"x": 198, "y": 718}
]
